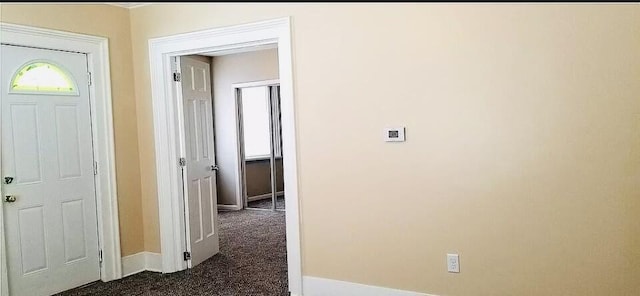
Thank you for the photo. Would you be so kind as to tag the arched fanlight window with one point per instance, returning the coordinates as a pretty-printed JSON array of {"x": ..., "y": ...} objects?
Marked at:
[{"x": 42, "y": 77}]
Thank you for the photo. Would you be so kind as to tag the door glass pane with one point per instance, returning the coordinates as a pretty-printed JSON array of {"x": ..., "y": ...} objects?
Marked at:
[{"x": 43, "y": 77}]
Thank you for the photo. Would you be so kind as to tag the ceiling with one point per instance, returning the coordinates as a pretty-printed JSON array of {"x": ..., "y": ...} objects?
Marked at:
[{"x": 128, "y": 5}]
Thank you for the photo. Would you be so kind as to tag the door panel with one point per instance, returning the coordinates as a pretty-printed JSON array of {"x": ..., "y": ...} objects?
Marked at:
[
  {"x": 204, "y": 131},
  {"x": 195, "y": 219},
  {"x": 26, "y": 143},
  {"x": 51, "y": 228},
  {"x": 201, "y": 178},
  {"x": 68, "y": 143},
  {"x": 32, "y": 239},
  {"x": 73, "y": 230},
  {"x": 207, "y": 206}
]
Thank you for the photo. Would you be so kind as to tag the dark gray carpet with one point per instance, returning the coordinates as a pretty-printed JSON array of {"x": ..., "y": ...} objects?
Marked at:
[
  {"x": 252, "y": 261},
  {"x": 266, "y": 203}
]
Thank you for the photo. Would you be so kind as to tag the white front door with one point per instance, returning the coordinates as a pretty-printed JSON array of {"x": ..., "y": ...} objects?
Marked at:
[
  {"x": 48, "y": 191},
  {"x": 200, "y": 179}
]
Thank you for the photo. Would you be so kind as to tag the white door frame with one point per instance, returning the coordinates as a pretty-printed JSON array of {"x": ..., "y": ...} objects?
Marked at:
[
  {"x": 97, "y": 50},
  {"x": 168, "y": 137}
]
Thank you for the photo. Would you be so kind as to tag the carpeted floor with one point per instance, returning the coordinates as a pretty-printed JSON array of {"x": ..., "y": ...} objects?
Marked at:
[
  {"x": 266, "y": 203},
  {"x": 252, "y": 261}
]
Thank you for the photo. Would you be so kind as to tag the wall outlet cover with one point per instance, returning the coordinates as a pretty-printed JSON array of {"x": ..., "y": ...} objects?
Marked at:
[{"x": 453, "y": 263}]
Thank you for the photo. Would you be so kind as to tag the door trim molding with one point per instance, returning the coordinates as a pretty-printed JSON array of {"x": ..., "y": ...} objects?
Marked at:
[
  {"x": 167, "y": 136},
  {"x": 97, "y": 50}
]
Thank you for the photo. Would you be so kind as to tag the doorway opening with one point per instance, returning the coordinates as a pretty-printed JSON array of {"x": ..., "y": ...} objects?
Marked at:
[
  {"x": 170, "y": 140},
  {"x": 231, "y": 124},
  {"x": 260, "y": 145}
]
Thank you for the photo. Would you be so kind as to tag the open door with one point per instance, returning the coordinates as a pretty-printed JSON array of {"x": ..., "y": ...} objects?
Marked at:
[{"x": 201, "y": 213}]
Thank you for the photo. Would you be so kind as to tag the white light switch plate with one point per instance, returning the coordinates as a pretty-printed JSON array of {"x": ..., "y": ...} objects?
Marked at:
[{"x": 453, "y": 263}]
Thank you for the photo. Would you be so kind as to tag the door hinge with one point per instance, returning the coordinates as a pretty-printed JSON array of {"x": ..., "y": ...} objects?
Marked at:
[
  {"x": 182, "y": 162},
  {"x": 95, "y": 168},
  {"x": 187, "y": 256},
  {"x": 89, "y": 75},
  {"x": 100, "y": 256},
  {"x": 176, "y": 77}
]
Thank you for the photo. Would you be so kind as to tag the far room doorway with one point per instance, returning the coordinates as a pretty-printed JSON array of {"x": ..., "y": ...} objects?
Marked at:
[
  {"x": 232, "y": 167},
  {"x": 260, "y": 144}
]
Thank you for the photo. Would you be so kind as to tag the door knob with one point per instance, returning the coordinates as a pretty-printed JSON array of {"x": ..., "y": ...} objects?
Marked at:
[
  {"x": 214, "y": 168},
  {"x": 10, "y": 198},
  {"x": 8, "y": 180}
]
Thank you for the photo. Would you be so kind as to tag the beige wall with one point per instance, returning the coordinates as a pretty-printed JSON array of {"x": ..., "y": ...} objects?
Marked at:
[
  {"x": 523, "y": 150},
  {"x": 227, "y": 70},
  {"x": 111, "y": 22},
  {"x": 523, "y": 138}
]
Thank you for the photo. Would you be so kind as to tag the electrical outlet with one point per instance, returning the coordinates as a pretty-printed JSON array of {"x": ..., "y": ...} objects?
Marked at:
[{"x": 453, "y": 263}]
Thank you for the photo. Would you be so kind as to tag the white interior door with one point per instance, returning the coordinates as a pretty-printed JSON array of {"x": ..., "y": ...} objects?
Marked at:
[
  {"x": 200, "y": 177},
  {"x": 48, "y": 171}
]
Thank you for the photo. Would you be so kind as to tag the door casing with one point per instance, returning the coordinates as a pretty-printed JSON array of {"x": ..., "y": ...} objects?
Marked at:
[
  {"x": 169, "y": 138},
  {"x": 97, "y": 50}
]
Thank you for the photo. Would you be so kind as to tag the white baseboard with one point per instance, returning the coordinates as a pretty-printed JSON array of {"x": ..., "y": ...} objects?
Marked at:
[
  {"x": 250, "y": 198},
  {"x": 153, "y": 261},
  {"x": 133, "y": 264},
  {"x": 140, "y": 262},
  {"x": 229, "y": 208},
  {"x": 314, "y": 286},
  {"x": 264, "y": 196}
]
